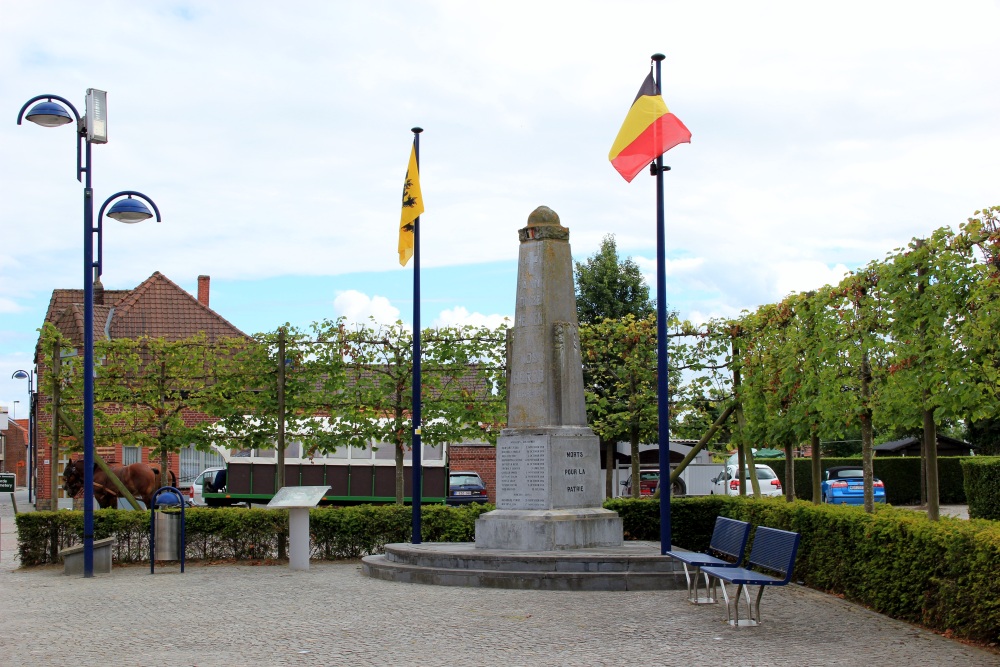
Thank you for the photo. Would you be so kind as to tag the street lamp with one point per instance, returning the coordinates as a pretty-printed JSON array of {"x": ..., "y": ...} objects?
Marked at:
[
  {"x": 91, "y": 129},
  {"x": 30, "y": 454}
]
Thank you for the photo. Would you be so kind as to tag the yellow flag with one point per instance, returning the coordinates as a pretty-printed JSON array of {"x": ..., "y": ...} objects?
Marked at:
[{"x": 413, "y": 206}]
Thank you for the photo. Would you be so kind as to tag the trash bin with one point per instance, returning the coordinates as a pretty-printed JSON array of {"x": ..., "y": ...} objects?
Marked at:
[{"x": 166, "y": 535}]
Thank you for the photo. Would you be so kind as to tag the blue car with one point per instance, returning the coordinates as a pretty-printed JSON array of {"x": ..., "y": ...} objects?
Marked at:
[
  {"x": 844, "y": 485},
  {"x": 465, "y": 488}
]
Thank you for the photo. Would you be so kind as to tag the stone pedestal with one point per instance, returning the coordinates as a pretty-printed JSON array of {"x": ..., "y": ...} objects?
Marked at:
[{"x": 549, "y": 485}]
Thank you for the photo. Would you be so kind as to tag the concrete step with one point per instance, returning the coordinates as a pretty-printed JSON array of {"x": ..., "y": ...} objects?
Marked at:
[{"x": 634, "y": 566}]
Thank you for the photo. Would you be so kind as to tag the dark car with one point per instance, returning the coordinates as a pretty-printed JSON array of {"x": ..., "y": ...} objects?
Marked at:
[
  {"x": 845, "y": 485},
  {"x": 466, "y": 487}
]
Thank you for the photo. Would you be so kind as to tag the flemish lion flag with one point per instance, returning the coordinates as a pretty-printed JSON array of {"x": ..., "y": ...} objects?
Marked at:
[
  {"x": 413, "y": 206},
  {"x": 649, "y": 131}
]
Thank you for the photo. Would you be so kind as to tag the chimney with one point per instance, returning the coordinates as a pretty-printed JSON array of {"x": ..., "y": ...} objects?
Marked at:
[
  {"x": 98, "y": 293},
  {"x": 203, "y": 282}
]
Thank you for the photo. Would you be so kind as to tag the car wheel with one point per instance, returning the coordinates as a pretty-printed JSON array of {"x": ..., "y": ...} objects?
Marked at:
[{"x": 677, "y": 488}]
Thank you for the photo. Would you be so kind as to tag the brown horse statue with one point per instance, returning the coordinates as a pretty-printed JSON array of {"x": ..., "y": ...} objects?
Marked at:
[{"x": 141, "y": 479}]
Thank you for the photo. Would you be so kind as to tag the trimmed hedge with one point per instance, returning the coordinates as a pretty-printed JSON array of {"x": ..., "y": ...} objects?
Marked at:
[
  {"x": 982, "y": 486},
  {"x": 901, "y": 475},
  {"x": 941, "y": 574},
  {"x": 246, "y": 534}
]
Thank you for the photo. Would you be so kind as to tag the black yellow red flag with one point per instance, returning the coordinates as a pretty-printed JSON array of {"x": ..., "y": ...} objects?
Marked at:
[
  {"x": 649, "y": 131},
  {"x": 413, "y": 206}
]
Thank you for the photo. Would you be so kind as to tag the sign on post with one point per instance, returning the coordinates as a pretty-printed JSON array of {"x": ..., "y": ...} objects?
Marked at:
[{"x": 7, "y": 482}]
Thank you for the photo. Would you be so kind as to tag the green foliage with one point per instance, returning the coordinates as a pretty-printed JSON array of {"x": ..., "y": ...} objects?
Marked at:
[
  {"x": 985, "y": 435},
  {"x": 982, "y": 487},
  {"x": 241, "y": 534},
  {"x": 940, "y": 574},
  {"x": 608, "y": 288},
  {"x": 900, "y": 474}
]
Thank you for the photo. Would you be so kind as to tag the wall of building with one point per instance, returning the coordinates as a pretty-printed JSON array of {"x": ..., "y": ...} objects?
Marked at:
[
  {"x": 476, "y": 457},
  {"x": 15, "y": 452}
]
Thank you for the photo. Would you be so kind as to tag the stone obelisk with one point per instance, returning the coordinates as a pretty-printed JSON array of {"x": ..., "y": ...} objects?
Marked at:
[{"x": 549, "y": 486}]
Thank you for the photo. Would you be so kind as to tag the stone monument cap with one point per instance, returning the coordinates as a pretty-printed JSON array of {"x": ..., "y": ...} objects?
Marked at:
[{"x": 543, "y": 216}]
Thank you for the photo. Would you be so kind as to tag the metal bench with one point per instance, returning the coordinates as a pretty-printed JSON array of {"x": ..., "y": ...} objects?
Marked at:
[
  {"x": 729, "y": 542},
  {"x": 774, "y": 551}
]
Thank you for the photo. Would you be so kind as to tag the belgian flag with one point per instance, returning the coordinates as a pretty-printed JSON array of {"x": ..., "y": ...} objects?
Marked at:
[
  {"x": 413, "y": 206},
  {"x": 649, "y": 131}
]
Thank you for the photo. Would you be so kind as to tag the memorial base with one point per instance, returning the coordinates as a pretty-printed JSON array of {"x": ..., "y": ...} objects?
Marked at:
[{"x": 549, "y": 530}]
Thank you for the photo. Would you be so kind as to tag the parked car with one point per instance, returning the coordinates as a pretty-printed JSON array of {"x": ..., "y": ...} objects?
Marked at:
[
  {"x": 845, "y": 485},
  {"x": 728, "y": 484},
  {"x": 466, "y": 487},
  {"x": 648, "y": 480},
  {"x": 209, "y": 476}
]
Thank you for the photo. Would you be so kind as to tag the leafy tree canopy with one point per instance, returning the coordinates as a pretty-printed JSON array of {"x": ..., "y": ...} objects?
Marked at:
[{"x": 610, "y": 288}]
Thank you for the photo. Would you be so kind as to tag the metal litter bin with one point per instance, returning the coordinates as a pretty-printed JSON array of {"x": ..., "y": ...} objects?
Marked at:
[{"x": 166, "y": 527}]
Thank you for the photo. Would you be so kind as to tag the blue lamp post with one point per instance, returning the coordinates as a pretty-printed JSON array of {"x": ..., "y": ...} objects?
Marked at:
[
  {"x": 91, "y": 129},
  {"x": 29, "y": 376}
]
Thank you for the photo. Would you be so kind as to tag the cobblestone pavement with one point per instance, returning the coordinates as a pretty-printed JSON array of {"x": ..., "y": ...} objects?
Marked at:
[{"x": 234, "y": 615}]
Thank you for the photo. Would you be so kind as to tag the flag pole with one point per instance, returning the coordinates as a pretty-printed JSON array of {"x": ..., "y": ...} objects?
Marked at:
[
  {"x": 416, "y": 448},
  {"x": 662, "y": 385}
]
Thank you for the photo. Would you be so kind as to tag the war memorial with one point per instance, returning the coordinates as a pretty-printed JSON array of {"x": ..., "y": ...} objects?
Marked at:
[{"x": 548, "y": 530}]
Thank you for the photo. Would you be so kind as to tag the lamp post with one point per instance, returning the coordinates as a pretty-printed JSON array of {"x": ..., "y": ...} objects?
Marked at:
[
  {"x": 91, "y": 129},
  {"x": 30, "y": 454}
]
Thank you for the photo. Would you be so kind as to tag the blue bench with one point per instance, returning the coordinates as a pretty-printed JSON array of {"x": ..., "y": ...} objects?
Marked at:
[
  {"x": 729, "y": 542},
  {"x": 773, "y": 551}
]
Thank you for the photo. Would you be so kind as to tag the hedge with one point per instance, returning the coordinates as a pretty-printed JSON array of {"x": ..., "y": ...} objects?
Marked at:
[
  {"x": 982, "y": 486},
  {"x": 246, "y": 534},
  {"x": 941, "y": 574},
  {"x": 900, "y": 474}
]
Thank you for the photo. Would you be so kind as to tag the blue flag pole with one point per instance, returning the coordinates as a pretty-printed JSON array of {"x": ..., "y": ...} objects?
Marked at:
[
  {"x": 662, "y": 379},
  {"x": 416, "y": 449}
]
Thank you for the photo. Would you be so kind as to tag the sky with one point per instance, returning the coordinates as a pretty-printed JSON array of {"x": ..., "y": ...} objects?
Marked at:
[{"x": 274, "y": 139}]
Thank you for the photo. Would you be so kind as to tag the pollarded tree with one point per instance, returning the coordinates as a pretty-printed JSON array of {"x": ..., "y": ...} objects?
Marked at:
[
  {"x": 619, "y": 356},
  {"x": 462, "y": 387},
  {"x": 934, "y": 372}
]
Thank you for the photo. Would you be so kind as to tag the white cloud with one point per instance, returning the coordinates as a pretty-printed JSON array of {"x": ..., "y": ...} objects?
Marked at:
[
  {"x": 460, "y": 316},
  {"x": 805, "y": 157},
  {"x": 357, "y": 307}
]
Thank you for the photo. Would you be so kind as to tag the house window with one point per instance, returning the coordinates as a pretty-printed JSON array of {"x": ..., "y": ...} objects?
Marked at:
[{"x": 131, "y": 455}]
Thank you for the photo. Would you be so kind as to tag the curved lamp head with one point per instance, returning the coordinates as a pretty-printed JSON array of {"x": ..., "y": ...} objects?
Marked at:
[
  {"x": 129, "y": 211},
  {"x": 21, "y": 375},
  {"x": 49, "y": 114}
]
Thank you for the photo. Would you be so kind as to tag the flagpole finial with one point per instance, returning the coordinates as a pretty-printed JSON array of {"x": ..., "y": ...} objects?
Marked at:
[
  {"x": 658, "y": 57},
  {"x": 416, "y": 130}
]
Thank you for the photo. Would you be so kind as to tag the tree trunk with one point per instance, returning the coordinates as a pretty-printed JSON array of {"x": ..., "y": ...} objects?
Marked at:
[
  {"x": 930, "y": 445},
  {"x": 866, "y": 432},
  {"x": 279, "y": 481},
  {"x": 789, "y": 473},
  {"x": 634, "y": 450},
  {"x": 817, "y": 468},
  {"x": 609, "y": 464},
  {"x": 56, "y": 388}
]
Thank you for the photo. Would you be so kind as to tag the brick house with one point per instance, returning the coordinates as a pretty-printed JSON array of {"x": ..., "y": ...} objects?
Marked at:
[
  {"x": 13, "y": 448},
  {"x": 157, "y": 308}
]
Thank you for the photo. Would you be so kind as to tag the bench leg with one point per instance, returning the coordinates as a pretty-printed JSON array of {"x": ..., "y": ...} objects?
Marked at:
[
  {"x": 733, "y": 606},
  {"x": 692, "y": 585},
  {"x": 725, "y": 595},
  {"x": 756, "y": 607}
]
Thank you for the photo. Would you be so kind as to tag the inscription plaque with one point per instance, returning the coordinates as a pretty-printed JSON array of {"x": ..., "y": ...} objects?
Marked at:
[{"x": 522, "y": 479}]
